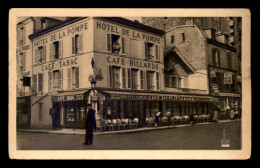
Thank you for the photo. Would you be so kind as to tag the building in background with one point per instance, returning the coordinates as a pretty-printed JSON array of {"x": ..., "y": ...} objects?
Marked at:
[{"x": 24, "y": 28}]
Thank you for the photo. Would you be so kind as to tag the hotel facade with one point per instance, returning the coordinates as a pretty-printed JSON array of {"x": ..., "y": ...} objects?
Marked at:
[{"x": 135, "y": 74}]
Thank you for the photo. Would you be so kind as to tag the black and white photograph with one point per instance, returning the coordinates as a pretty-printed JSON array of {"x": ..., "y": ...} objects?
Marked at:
[{"x": 118, "y": 85}]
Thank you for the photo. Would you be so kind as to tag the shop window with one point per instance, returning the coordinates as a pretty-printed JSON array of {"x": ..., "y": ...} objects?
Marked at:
[
  {"x": 77, "y": 44},
  {"x": 40, "y": 82},
  {"x": 150, "y": 80},
  {"x": 124, "y": 77},
  {"x": 40, "y": 54},
  {"x": 172, "y": 39},
  {"x": 134, "y": 79},
  {"x": 149, "y": 51},
  {"x": 34, "y": 83},
  {"x": 40, "y": 112},
  {"x": 216, "y": 57},
  {"x": 114, "y": 76}
]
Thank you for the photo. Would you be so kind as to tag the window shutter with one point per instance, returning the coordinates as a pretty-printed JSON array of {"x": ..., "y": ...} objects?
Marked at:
[
  {"x": 44, "y": 53},
  {"x": 34, "y": 88},
  {"x": 51, "y": 51},
  {"x": 110, "y": 76},
  {"x": 129, "y": 78},
  {"x": 142, "y": 79},
  {"x": 123, "y": 45},
  {"x": 40, "y": 82},
  {"x": 145, "y": 79},
  {"x": 50, "y": 81},
  {"x": 36, "y": 55},
  {"x": 73, "y": 45},
  {"x": 69, "y": 78},
  {"x": 157, "y": 81},
  {"x": 76, "y": 77},
  {"x": 60, "y": 48},
  {"x": 146, "y": 50},
  {"x": 60, "y": 79},
  {"x": 218, "y": 58},
  {"x": 156, "y": 52},
  {"x": 123, "y": 78},
  {"x": 109, "y": 43},
  {"x": 80, "y": 43}
]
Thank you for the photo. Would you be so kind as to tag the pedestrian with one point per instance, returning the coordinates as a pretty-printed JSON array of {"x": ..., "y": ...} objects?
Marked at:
[
  {"x": 192, "y": 118},
  {"x": 157, "y": 119},
  {"x": 215, "y": 116},
  {"x": 90, "y": 125}
]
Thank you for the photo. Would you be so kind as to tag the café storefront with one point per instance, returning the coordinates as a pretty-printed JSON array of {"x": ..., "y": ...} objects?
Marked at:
[
  {"x": 68, "y": 109},
  {"x": 117, "y": 105}
]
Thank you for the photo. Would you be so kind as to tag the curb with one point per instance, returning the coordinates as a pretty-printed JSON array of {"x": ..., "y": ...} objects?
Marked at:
[{"x": 146, "y": 129}]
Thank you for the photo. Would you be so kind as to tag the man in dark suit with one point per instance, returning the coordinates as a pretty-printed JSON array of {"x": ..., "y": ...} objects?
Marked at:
[{"x": 90, "y": 125}]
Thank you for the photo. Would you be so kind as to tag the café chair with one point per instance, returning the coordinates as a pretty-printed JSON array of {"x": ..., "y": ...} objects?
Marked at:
[
  {"x": 119, "y": 124},
  {"x": 114, "y": 124},
  {"x": 109, "y": 124},
  {"x": 164, "y": 120},
  {"x": 196, "y": 118},
  {"x": 186, "y": 119},
  {"x": 135, "y": 122},
  {"x": 177, "y": 120}
]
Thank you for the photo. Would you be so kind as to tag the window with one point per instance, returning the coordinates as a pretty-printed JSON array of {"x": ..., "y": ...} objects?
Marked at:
[
  {"x": 77, "y": 44},
  {"x": 124, "y": 77},
  {"x": 34, "y": 83},
  {"x": 75, "y": 77},
  {"x": 172, "y": 39},
  {"x": 113, "y": 44},
  {"x": 69, "y": 78},
  {"x": 157, "y": 81},
  {"x": 40, "y": 82},
  {"x": 142, "y": 79},
  {"x": 189, "y": 22},
  {"x": 40, "y": 54},
  {"x": 216, "y": 57},
  {"x": 21, "y": 36},
  {"x": 49, "y": 81},
  {"x": 150, "y": 80},
  {"x": 57, "y": 80},
  {"x": 134, "y": 79},
  {"x": 22, "y": 61},
  {"x": 114, "y": 76},
  {"x": 56, "y": 50},
  {"x": 129, "y": 78},
  {"x": 43, "y": 24},
  {"x": 40, "y": 112},
  {"x": 149, "y": 51},
  {"x": 173, "y": 81},
  {"x": 183, "y": 36}
]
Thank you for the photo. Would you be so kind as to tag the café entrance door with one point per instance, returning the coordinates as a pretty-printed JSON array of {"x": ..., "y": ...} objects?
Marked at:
[{"x": 56, "y": 116}]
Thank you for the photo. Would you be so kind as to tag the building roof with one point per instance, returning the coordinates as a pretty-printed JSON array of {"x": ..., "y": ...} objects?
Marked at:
[{"x": 114, "y": 19}]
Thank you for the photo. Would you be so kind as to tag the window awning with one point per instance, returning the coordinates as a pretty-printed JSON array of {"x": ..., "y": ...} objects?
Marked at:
[
  {"x": 70, "y": 96},
  {"x": 159, "y": 97}
]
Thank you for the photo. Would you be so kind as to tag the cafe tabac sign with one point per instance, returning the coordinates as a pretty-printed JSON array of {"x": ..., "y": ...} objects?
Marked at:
[{"x": 60, "y": 64}]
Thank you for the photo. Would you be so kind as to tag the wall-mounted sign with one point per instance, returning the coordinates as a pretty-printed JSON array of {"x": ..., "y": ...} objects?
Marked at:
[
  {"x": 60, "y": 64},
  {"x": 132, "y": 63},
  {"x": 213, "y": 74},
  {"x": 67, "y": 98},
  {"x": 228, "y": 78},
  {"x": 163, "y": 98}
]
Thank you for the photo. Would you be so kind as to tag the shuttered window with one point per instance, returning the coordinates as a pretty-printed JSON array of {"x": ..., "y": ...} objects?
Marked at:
[
  {"x": 34, "y": 83},
  {"x": 124, "y": 77},
  {"x": 146, "y": 50},
  {"x": 157, "y": 53},
  {"x": 55, "y": 80},
  {"x": 77, "y": 44},
  {"x": 129, "y": 78},
  {"x": 76, "y": 77},
  {"x": 60, "y": 79},
  {"x": 40, "y": 82},
  {"x": 49, "y": 81},
  {"x": 69, "y": 78},
  {"x": 142, "y": 79}
]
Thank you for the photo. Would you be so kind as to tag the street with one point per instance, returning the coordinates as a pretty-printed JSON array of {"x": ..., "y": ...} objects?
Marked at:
[{"x": 196, "y": 137}]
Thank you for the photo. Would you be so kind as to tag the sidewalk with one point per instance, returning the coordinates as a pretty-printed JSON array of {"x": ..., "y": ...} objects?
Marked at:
[{"x": 144, "y": 129}]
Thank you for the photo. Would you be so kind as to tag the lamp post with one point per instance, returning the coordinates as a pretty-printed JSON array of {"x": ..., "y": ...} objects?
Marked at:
[{"x": 93, "y": 83}]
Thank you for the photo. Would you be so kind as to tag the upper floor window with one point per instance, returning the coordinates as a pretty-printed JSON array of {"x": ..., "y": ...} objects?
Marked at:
[
  {"x": 173, "y": 81},
  {"x": 40, "y": 54},
  {"x": 152, "y": 51},
  {"x": 189, "y": 22},
  {"x": 77, "y": 44},
  {"x": 115, "y": 44},
  {"x": 172, "y": 39},
  {"x": 21, "y": 61},
  {"x": 134, "y": 78},
  {"x": 216, "y": 57},
  {"x": 150, "y": 80},
  {"x": 114, "y": 73},
  {"x": 183, "y": 36},
  {"x": 43, "y": 24},
  {"x": 57, "y": 80},
  {"x": 21, "y": 38},
  {"x": 56, "y": 50}
]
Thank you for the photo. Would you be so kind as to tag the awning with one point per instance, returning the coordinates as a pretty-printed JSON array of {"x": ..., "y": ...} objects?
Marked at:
[
  {"x": 159, "y": 97},
  {"x": 227, "y": 94},
  {"x": 70, "y": 96}
]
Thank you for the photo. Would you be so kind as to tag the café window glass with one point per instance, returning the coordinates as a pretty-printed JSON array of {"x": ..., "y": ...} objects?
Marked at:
[{"x": 142, "y": 79}]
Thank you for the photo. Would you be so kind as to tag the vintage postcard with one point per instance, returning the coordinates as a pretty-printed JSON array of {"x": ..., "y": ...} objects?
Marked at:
[{"x": 129, "y": 84}]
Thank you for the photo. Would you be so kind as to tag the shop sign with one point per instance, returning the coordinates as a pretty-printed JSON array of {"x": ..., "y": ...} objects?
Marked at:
[
  {"x": 67, "y": 98},
  {"x": 162, "y": 98},
  {"x": 228, "y": 78},
  {"x": 60, "y": 64},
  {"x": 213, "y": 74}
]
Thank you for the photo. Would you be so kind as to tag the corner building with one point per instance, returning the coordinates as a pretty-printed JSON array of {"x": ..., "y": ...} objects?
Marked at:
[{"x": 125, "y": 58}]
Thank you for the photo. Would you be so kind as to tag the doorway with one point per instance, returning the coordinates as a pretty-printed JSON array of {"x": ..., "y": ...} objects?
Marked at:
[{"x": 56, "y": 116}]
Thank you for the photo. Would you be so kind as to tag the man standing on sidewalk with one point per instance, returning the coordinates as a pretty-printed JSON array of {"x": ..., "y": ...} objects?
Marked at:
[{"x": 90, "y": 125}]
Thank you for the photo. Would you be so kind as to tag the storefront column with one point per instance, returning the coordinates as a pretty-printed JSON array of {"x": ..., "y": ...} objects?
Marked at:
[
  {"x": 61, "y": 114},
  {"x": 164, "y": 110},
  {"x": 122, "y": 109},
  {"x": 141, "y": 114}
]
